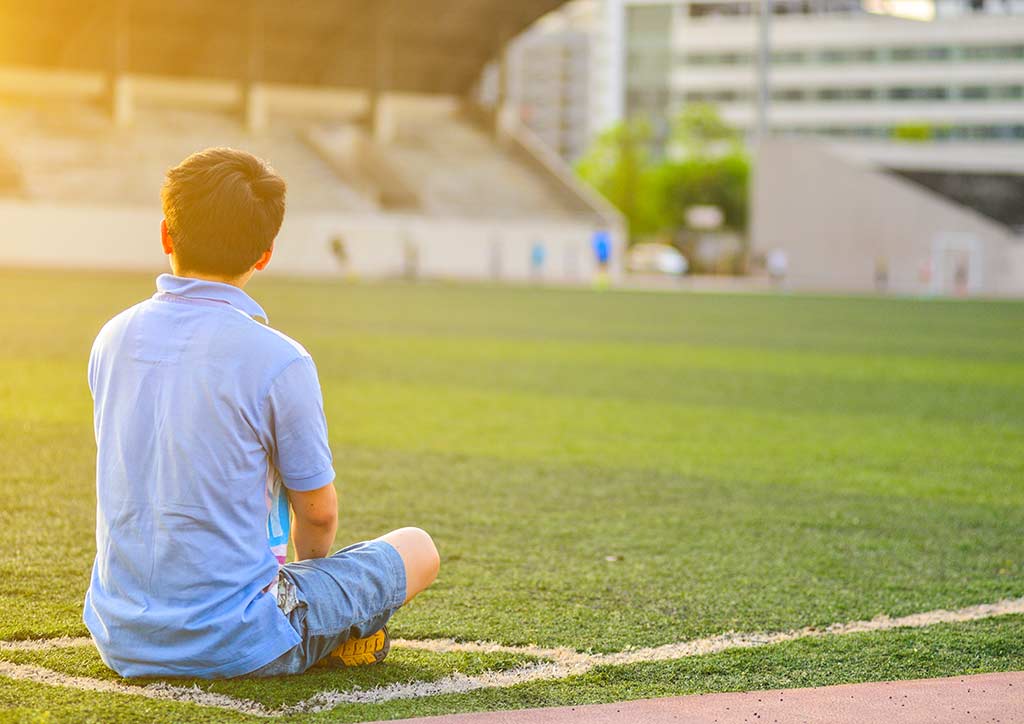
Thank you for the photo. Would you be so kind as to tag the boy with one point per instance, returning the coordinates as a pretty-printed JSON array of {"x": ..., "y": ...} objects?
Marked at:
[{"x": 205, "y": 417}]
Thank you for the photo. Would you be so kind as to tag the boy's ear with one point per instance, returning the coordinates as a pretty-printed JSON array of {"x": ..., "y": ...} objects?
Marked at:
[
  {"x": 165, "y": 238},
  {"x": 262, "y": 262}
]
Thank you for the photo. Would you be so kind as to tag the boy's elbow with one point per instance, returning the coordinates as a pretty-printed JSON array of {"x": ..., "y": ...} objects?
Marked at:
[
  {"x": 318, "y": 508},
  {"x": 322, "y": 518}
]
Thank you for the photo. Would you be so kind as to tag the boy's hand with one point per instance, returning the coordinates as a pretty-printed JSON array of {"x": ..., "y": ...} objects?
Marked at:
[{"x": 316, "y": 521}]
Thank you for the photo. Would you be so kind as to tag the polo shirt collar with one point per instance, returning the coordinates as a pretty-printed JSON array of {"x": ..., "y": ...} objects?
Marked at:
[{"x": 210, "y": 291}]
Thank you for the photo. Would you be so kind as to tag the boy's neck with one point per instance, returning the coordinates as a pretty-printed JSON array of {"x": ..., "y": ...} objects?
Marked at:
[{"x": 239, "y": 281}]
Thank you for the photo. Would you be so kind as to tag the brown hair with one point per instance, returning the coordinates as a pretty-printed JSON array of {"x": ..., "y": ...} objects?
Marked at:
[{"x": 223, "y": 209}]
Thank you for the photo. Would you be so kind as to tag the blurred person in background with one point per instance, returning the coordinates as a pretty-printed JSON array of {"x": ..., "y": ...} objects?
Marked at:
[
  {"x": 778, "y": 265},
  {"x": 410, "y": 259},
  {"x": 602, "y": 245},
  {"x": 339, "y": 250},
  {"x": 538, "y": 255}
]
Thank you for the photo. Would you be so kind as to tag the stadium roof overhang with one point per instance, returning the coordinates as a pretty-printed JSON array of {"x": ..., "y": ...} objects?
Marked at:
[{"x": 426, "y": 46}]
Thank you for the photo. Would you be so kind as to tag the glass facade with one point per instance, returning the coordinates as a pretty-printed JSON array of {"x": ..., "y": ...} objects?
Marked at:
[
  {"x": 960, "y": 77},
  {"x": 862, "y": 56},
  {"x": 648, "y": 66},
  {"x": 969, "y": 93},
  {"x": 982, "y": 132}
]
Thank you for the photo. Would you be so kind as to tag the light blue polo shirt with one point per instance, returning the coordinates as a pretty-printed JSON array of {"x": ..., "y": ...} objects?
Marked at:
[{"x": 197, "y": 406}]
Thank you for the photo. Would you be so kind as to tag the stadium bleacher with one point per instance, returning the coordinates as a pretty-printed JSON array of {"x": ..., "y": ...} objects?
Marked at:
[
  {"x": 438, "y": 163},
  {"x": 366, "y": 109},
  {"x": 472, "y": 203},
  {"x": 72, "y": 153}
]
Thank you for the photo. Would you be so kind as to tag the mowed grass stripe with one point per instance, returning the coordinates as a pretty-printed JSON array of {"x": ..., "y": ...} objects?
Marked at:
[
  {"x": 531, "y": 363},
  {"x": 600, "y": 431},
  {"x": 711, "y": 442},
  {"x": 709, "y": 556},
  {"x": 366, "y": 352},
  {"x": 952, "y": 329},
  {"x": 955, "y": 330}
]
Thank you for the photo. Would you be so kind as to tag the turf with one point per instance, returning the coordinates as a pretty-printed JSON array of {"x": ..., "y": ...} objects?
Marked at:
[
  {"x": 945, "y": 650},
  {"x": 942, "y": 650},
  {"x": 402, "y": 666},
  {"x": 599, "y": 470}
]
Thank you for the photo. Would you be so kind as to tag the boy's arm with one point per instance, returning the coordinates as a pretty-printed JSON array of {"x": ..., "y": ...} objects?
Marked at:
[
  {"x": 316, "y": 521},
  {"x": 296, "y": 433}
]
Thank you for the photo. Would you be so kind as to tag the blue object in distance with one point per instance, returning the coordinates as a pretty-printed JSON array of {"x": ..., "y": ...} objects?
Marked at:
[{"x": 602, "y": 242}]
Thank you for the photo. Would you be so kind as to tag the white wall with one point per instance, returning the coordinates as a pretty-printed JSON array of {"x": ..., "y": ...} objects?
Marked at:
[
  {"x": 110, "y": 237},
  {"x": 835, "y": 220},
  {"x": 45, "y": 234},
  {"x": 1015, "y": 265}
]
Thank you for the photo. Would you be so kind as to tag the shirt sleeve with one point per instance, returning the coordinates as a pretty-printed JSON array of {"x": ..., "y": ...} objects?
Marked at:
[
  {"x": 298, "y": 427},
  {"x": 91, "y": 370}
]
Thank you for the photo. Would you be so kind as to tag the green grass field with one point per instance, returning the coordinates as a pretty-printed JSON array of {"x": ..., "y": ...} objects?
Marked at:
[{"x": 600, "y": 471}]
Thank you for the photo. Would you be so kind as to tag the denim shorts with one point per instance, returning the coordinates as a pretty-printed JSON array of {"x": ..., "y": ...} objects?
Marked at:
[{"x": 350, "y": 594}]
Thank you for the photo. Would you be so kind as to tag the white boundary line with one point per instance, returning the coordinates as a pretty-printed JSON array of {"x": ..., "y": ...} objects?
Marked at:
[
  {"x": 561, "y": 662},
  {"x": 61, "y": 642},
  {"x": 166, "y": 692},
  {"x": 729, "y": 640}
]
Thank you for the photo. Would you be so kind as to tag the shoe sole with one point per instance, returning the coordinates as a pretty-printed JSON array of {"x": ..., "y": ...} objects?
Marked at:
[{"x": 360, "y": 652}]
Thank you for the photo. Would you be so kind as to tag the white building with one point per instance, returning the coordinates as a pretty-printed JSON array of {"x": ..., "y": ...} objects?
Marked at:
[
  {"x": 558, "y": 74},
  {"x": 837, "y": 70},
  {"x": 914, "y": 181},
  {"x": 550, "y": 87},
  {"x": 847, "y": 226}
]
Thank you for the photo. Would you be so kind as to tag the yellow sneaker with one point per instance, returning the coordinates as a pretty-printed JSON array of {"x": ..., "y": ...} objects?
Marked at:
[{"x": 360, "y": 652}]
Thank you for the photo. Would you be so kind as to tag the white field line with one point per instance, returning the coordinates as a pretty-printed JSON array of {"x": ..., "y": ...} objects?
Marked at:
[
  {"x": 729, "y": 640},
  {"x": 191, "y": 695},
  {"x": 561, "y": 663},
  {"x": 61, "y": 642}
]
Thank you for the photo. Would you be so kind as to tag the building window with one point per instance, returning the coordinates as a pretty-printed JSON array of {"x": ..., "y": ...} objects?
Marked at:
[
  {"x": 918, "y": 94},
  {"x": 735, "y": 58},
  {"x": 789, "y": 95},
  {"x": 789, "y": 57},
  {"x": 849, "y": 55},
  {"x": 717, "y": 9},
  {"x": 845, "y": 94},
  {"x": 994, "y": 52},
  {"x": 922, "y": 54},
  {"x": 724, "y": 96}
]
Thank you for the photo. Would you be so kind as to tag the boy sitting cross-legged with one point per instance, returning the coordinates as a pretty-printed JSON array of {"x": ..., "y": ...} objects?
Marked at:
[{"x": 209, "y": 427}]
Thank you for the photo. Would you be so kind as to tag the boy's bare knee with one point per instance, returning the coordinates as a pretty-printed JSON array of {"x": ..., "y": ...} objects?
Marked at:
[
  {"x": 432, "y": 559},
  {"x": 420, "y": 556},
  {"x": 428, "y": 560}
]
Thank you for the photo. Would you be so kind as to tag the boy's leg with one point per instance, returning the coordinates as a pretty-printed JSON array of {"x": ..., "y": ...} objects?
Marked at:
[
  {"x": 353, "y": 593},
  {"x": 420, "y": 556},
  {"x": 422, "y": 562}
]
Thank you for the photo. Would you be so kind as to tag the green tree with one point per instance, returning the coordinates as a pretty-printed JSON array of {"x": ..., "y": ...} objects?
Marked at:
[
  {"x": 619, "y": 165},
  {"x": 912, "y": 131},
  {"x": 699, "y": 130},
  {"x": 721, "y": 181},
  {"x": 706, "y": 164}
]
